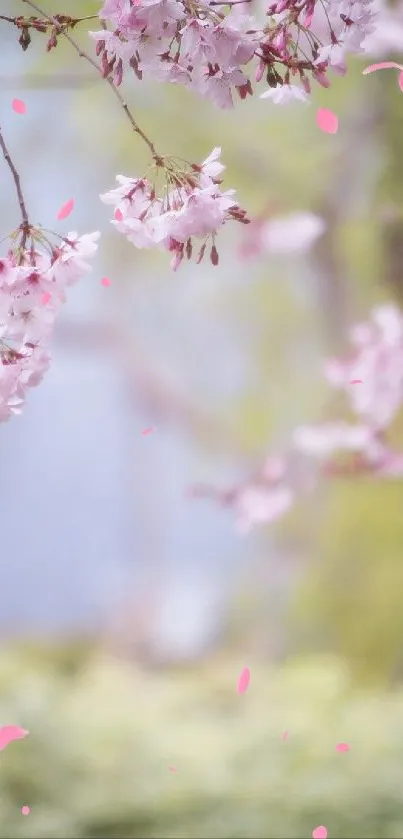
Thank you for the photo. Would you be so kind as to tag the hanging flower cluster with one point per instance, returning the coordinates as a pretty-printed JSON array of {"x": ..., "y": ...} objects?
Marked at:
[
  {"x": 192, "y": 206},
  {"x": 217, "y": 52},
  {"x": 32, "y": 290}
]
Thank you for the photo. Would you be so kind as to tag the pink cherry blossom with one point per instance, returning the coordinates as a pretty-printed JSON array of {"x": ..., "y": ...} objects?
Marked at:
[
  {"x": 376, "y": 360},
  {"x": 387, "y": 37},
  {"x": 323, "y": 440},
  {"x": 288, "y": 234},
  {"x": 263, "y": 498},
  {"x": 192, "y": 207},
  {"x": 31, "y": 293},
  {"x": 256, "y": 505},
  {"x": 217, "y": 50},
  {"x": 293, "y": 233}
]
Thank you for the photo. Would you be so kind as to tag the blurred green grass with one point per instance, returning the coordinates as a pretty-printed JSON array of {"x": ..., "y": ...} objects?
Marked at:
[{"x": 104, "y": 733}]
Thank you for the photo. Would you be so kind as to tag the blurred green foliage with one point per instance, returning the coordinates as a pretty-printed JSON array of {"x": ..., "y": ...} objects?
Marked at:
[{"x": 102, "y": 739}]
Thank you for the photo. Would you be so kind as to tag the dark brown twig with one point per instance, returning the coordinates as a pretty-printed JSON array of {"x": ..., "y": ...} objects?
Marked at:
[
  {"x": 25, "y": 226},
  {"x": 83, "y": 54}
]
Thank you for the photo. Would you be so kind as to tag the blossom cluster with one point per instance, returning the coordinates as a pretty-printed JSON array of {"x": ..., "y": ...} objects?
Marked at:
[
  {"x": 371, "y": 377},
  {"x": 32, "y": 290},
  {"x": 191, "y": 207},
  {"x": 265, "y": 497},
  {"x": 206, "y": 48}
]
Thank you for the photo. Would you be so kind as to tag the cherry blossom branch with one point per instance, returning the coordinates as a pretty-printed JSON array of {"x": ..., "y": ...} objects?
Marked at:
[
  {"x": 24, "y": 24},
  {"x": 136, "y": 128},
  {"x": 34, "y": 23},
  {"x": 371, "y": 377},
  {"x": 25, "y": 226}
]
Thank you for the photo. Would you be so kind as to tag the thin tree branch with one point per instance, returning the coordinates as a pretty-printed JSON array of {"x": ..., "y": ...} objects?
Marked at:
[
  {"x": 157, "y": 158},
  {"x": 27, "y": 23},
  {"x": 25, "y": 226}
]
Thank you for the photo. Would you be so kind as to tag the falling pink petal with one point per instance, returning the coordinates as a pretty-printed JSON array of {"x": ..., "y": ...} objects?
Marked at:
[
  {"x": 25, "y": 810},
  {"x": 8, "y": 733},
  {"x": 327, "y": 121},
  {"x": 146, "y": 431},
  {"x": 383, "y": 65},
  {"x": 319, "y": 832},
  {"x": 45, "y": 298},
  {"x": 66, "y": 209},
  {"x": 105, "y": 282},
  {"x": 356, "y": 382},
  {"x": 118, "y": 215},
  {"x": 400, "y": 81},
  {"x": 284, "y": 735},
  {"x": 343, "y": 747},
  {"x": 18, "y": 106},
  {"x": 244, "y": 680},
  {"x": 172, "y": 769}
]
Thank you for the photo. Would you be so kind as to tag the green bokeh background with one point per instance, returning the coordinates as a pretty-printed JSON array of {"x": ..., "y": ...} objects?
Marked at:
[{"x": 103, "y": 732}]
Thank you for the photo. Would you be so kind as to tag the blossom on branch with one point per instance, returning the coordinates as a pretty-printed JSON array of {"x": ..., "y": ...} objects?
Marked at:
[
  {"x": 377, "y": 363},
  {"x": 207, "y": 48},
  {"x": 372, "y": 379},
  {"x": 32, "y": 287},
  {"x": 191, "y": 207},
  {"x": 265, "y": 497}
]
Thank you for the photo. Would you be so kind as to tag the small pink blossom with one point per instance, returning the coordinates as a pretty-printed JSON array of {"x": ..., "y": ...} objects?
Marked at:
[
  {"x": 288, "y": 234},
  {"x": 256, "y": 505},
  {"x": 377, "y": 362},
  {"x": 323, "y": 440}
]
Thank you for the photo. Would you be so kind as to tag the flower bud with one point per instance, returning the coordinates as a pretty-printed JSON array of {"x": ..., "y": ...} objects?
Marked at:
[{"x": 214, "y": 255}]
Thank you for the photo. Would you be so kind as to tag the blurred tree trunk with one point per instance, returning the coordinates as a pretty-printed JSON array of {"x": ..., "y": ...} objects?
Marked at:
[
  {"x": 391, "y": 189},
  {"x": 349, "y": 184}
]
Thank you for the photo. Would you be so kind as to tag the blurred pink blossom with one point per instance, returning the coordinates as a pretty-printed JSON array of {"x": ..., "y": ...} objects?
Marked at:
[
  {"x": 323, "y": 440},
  {"x": 387, "y": 37},
  {"x": 293, "y": 233},
  {"x": 377, "y": 360},
  {"x": 255, "y": 505}
]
